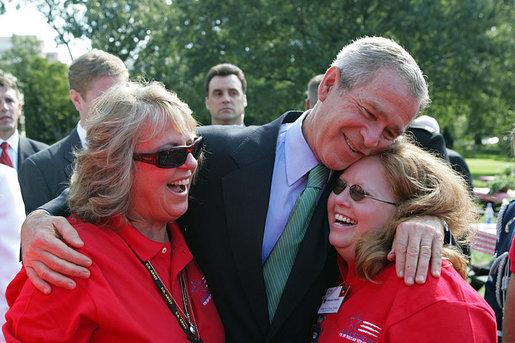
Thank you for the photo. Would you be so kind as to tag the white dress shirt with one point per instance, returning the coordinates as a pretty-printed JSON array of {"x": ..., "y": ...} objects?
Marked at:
[
  {"x": 293, "y": 160},
  {"x": 13, "y": 142},
  {"x": 81, "y": 131},
  {"x": 12, "y": 214}
]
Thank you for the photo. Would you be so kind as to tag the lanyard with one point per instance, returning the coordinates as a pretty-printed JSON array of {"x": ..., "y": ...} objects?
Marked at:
[{"x": 189, "y": 328}]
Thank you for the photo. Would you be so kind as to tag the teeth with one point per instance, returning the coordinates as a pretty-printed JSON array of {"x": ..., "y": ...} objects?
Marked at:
[
  {"x": 182, "y": 182},
  {"x": 343, "y": 219},
  {"x": 350, "y": 145}
]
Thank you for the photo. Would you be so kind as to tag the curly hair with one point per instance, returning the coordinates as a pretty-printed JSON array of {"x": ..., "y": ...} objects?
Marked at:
[
  {"x": 424, "y": 185},
  {"x": 101, "y": 182}
]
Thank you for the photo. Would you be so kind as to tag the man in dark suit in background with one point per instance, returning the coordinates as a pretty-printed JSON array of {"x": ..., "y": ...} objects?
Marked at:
[
  {"x": 18, "y": 148},
  {"x": 46, "y": 174},
  {"x": 426, "y": 131},
  {"x": 247, "y": 187},
  {"x": 226, "y": 100}
]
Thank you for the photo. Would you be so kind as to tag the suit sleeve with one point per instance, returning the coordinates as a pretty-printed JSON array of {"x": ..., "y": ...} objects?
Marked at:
[
  {"x": 34, "y": 187},
  {"x": 58, "y": 206}
]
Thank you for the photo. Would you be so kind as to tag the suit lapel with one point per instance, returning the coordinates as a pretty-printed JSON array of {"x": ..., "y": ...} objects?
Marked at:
[
  {"x": 251, "y": 183},
  {"x": 24, "y": 150},
  {"x": 74, "y": 144}
]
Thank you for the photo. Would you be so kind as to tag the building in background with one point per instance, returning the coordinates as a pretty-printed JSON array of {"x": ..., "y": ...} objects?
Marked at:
[{"x": 6, "y": 44}]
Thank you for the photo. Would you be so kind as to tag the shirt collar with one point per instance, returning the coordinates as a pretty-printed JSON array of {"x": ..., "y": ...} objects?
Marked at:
[
  {"x": 13, "y": 141},
  {"x": 299, "y": 156},
  {"x": 145, "y": 248},
  {"x": 82, "y": 135}
]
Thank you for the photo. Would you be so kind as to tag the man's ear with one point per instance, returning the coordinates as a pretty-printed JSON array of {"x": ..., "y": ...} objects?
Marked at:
[
  {"x": 330, "y": 81},
  {"x": 76, "y": 99}
]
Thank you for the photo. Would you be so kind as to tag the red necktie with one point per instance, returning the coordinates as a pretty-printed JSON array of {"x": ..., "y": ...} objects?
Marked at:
[{"x": 4, "y": 158}]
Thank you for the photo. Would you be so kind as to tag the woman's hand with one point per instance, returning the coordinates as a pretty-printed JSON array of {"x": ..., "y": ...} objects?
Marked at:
[
  {"x": 46, "y": 255},
  {"x": 417, "y": 242}
]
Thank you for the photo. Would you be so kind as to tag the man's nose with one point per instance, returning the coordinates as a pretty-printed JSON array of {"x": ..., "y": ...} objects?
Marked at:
[
  {"x": 226, "y": 97},
  {"x": 372, "y": 135}
]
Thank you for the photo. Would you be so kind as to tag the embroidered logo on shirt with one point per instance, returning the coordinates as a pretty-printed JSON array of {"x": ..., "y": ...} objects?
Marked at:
[
  {"x": 360, "y": 331},
  {"x": 201, "y": 289}
]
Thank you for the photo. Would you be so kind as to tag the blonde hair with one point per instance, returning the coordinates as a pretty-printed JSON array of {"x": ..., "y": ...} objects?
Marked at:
[
  {"x": 424, "y": 185},
  {"x": 102, "y": 179}
]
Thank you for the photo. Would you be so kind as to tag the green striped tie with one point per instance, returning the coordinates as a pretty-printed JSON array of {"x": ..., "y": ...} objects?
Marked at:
[{"x": 278, "y": 265}]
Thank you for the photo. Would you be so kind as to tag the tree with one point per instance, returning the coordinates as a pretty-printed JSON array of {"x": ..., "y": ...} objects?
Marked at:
[
  {"x": 48, "y": 111},
  {"x": 464, "y": 47}
]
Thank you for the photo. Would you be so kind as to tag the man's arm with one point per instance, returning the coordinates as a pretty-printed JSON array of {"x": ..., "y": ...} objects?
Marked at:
[
  {"x": 417, "y": 242},
  {"x": 48, "y": 249}
]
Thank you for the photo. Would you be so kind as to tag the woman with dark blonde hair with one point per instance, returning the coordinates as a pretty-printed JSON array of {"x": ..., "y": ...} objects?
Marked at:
[
  {"x": 129, "y": 187},
  {"x": 370, "y": 199}
]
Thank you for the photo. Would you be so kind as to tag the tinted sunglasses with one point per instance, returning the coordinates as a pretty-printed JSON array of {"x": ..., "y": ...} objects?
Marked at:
[
  {"x": 171, "y": 157},
  {"x": 357, "y": 193}
]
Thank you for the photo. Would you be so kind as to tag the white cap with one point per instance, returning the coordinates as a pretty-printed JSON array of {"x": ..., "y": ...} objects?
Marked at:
[{"x": 426, "y": 123}]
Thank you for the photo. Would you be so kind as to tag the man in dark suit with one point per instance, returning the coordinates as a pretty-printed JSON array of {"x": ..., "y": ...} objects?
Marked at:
[
  {"x": 46, "y": 174},
  {"x": 247, "y": 187},
  {"x": 11, "y": 102},
  {"x": 426, "y": 132},
  {"x": 226, "y": 100}
]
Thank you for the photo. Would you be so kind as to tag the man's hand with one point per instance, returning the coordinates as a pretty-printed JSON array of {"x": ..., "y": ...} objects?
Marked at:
[
  {"x": 418, "y": 241},
  {"x": 45, "y": 253}
]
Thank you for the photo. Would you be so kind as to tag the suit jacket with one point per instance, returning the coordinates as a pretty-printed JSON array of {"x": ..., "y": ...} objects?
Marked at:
[
  {"x": 43, "y": 176},
  {"x": 459, "y": 164},
  {"x": 224, "y": 226},
  {"x": 26, "y": 148},
  {"x": 429, "y": 141}
]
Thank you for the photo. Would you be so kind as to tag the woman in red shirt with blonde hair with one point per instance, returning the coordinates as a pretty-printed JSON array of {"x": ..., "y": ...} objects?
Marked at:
[{"x": 129, "y": 187}]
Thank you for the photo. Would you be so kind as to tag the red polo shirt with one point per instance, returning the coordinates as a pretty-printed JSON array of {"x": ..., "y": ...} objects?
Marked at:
[
  {"x": 119, "y": 302},
  {"x": 443, "y": 309}
]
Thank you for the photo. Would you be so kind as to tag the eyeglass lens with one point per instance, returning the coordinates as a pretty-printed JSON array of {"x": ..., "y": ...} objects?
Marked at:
[
  {"x": 357, "y": 193},
  {"x": 177, "y": 156}
]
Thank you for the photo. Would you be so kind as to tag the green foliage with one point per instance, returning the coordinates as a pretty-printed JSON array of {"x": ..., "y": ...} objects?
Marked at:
[
  {"x": 49, "y": 113},
  {"x": 504, "y": 181},
  {"x": 464, "y": 47}
]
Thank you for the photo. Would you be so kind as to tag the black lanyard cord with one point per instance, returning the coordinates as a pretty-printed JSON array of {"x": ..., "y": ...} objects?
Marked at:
[{"x": 189, "y": 328}]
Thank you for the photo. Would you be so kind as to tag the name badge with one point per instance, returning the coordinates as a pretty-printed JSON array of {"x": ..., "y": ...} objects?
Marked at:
[{"x": 333, "y": 299}]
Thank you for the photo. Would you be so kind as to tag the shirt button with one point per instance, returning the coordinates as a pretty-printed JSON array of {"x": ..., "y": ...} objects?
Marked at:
[{"x": 163, "y": 251}]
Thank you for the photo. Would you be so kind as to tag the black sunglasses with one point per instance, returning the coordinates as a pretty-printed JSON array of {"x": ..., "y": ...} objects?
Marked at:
[
  {"x": 357, "y": 193},
  {"x": 171, "y": 157}
]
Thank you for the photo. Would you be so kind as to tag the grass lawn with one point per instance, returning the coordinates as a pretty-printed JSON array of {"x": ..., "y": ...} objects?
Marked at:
[{"x": 486, "y": 167}]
